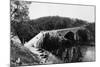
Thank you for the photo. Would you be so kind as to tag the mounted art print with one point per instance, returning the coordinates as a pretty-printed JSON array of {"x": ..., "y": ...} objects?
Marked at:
[{"x": 44, "y": 33}]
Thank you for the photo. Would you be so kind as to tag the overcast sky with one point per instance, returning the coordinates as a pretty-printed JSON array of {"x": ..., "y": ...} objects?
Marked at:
[{"x": 37, "y": 10}]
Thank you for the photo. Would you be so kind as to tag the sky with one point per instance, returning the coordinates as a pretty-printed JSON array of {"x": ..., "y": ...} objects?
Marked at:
[{"x": 37, "y": 10}]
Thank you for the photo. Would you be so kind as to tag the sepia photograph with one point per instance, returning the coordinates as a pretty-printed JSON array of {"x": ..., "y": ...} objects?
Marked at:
[{"x": 44, "y": 33}]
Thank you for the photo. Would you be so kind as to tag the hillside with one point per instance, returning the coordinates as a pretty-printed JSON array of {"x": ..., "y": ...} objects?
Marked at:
[{"x": 27, "y": 30}]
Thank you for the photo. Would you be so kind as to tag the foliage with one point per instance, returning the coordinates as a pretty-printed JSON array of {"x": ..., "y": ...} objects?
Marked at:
[
  {"x": 19, "y": 15},
  {"x": 19, "y": 10},
  {"x": 50, "y": 43},
  {"x": 25, "y": 28},
  {"x": 28, "y": 29},
  {"x": 91, "y": 28},
  {"x": 64, "y": 49}
]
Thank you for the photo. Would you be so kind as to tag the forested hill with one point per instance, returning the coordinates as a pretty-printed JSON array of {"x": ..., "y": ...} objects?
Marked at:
[
  {"x": 26, "y": 30},
  {"x": 56, "y": 22}
]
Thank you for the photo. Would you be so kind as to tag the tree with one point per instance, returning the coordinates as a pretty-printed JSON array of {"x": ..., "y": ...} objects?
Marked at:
[
  {"x": 19, "y": 17},
  {"x": 79, "y": 22},
  {"x": 19, "y": 10}
]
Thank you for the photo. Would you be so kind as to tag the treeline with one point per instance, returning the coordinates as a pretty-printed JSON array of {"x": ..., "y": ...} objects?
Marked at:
[{"x": 26, "y": 30}]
